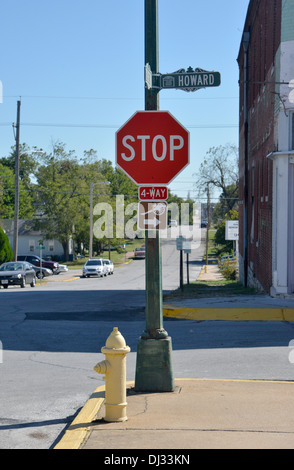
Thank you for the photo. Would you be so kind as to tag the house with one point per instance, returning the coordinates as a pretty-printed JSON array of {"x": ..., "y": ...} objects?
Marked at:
[
  {"x": 29, "y": 239},
  {"x": 266, "y": 147}
]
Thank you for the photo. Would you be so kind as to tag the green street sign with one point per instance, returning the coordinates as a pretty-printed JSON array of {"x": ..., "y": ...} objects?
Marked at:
[{"x": 188, "y": 80}]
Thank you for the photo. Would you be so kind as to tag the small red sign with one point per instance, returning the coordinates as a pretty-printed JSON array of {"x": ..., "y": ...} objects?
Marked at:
[{"x": 153, "y": 193}]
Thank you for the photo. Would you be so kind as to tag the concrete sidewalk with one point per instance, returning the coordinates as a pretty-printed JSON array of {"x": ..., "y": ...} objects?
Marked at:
[
  {"x": 253, "y": 307},
  {"x": 199, "y": 414}
]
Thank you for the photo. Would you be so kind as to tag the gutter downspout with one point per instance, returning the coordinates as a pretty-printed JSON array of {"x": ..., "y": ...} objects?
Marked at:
[{"x": 246, "y": 40}]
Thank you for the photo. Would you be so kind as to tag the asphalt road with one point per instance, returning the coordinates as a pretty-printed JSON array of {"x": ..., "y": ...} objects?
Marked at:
[{"x": 52, "y": 336}]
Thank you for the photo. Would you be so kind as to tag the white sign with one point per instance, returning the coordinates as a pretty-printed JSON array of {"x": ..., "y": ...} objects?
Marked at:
[
  {"x": 152, "y": 215},
  {"x": 148, "y": 76},
  {"x": 187, "y": 246},
  {"x": 232, "y": 230}
]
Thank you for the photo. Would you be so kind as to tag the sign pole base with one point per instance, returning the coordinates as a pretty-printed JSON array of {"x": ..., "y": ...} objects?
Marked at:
[{"x": 154, "y": 371}]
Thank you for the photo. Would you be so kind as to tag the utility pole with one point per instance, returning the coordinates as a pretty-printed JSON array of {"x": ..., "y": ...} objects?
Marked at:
[
  {"x": 16, "y": 196},
  {"x": 208, "y": 226},
  {"x": 154, "y": 365}
]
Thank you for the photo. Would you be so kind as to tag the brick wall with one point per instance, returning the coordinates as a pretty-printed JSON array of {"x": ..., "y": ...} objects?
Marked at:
[{"x": 263, "y": 22}]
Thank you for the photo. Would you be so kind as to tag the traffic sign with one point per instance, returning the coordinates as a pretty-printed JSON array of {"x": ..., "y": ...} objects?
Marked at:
[
  {"x": 190, "y": 80},
  {"x": 152, "y": 147},
  {"x": 232, "y": 230},
  {"x": 179, "y": 242},
  {"x": 153, "y": 193},
  {"x": 148, "y": 76},
  {"x": 152, "y": 215}
]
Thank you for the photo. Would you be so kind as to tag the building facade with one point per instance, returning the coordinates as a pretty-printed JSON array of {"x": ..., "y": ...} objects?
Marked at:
[
  {"x": 266, "y": 147},
  {"x": 29, "y": 240}
]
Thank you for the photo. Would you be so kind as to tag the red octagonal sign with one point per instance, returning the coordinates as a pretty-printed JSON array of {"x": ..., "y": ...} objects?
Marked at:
[{"x": 152, "y": 147}]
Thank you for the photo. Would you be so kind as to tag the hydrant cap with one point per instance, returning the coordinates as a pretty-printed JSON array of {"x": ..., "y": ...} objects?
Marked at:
[{"x": 115, "y": 340}]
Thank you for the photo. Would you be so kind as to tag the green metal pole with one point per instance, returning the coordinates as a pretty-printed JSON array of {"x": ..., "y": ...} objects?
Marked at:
[{"x": 154, "y": 364}]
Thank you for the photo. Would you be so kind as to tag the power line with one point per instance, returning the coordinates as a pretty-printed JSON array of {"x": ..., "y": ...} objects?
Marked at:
[
  {"x": 113, "y": 126},
  {"x": 117, "y": 98}
]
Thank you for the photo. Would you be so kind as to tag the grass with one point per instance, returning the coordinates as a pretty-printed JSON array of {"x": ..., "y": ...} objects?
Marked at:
[
  {"x": 116, "y": 258},
  {"x": 202, "y": 289},
  {"x": 213, "y": 249},
  {"x": 217, "y": 288}
]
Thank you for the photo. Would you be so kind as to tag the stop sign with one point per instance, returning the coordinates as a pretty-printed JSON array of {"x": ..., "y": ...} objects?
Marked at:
[{"x": 152, "y": 147}]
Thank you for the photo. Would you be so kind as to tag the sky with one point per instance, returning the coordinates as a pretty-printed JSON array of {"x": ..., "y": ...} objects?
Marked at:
[{"x": 78, "y": 68}]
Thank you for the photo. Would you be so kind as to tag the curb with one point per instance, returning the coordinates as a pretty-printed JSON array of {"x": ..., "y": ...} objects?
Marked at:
[
  {"x": 229, "y": 314},
  {"x": 79, "y": 429}
]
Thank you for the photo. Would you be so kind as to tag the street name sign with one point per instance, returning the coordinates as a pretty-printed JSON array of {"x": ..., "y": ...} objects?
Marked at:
[
  {"x": 152, "y": 215},
  {"x": 152, "y": 147},
  {"x": 186, "y": 80},
  {"x": 190, "y": 81},
  {"x": 153, "y": 193}
]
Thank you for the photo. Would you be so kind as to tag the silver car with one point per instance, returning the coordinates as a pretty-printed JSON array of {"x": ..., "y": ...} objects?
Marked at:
[
  {"x": 109, "y": 265},
  {"x": 94, "y": 267}
]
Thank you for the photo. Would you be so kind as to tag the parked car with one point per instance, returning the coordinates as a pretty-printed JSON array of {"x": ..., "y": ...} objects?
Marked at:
[
  {"x": 40, "y": 274},
  {"x": 63, "y": 268},
  {"x": 36, "y": 261},
  {"x": 94, "y": 267},
  {"x": 16, "y": 273},
  {"x": 140, "y": 253},
  {"x": 109, "y": 265}
]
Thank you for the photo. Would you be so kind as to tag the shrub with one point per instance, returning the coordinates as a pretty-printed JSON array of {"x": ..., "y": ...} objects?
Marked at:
[
  {"x": 228, "y": 267},
  {"x": 6, "y": 253}
]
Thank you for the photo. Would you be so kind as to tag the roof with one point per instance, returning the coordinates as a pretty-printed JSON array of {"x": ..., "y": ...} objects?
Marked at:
[{"x": 25, "y": 227}]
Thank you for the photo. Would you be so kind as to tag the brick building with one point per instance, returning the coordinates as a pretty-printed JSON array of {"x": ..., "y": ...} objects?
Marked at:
[{"x": 266, "y": 147}]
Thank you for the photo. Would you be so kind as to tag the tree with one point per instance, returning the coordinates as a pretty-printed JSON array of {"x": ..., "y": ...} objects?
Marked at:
[
  {"x": 220, "y": 239},
  {"x": 7, "y": 195},
  {"x": 225, "y": 204},
  {"x": 6, "y": 253},
  {"x": 219, "y": 170},
  {"x": 63, "y": 184}
]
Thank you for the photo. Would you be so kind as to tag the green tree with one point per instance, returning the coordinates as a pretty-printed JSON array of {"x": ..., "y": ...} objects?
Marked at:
[
  {"x": 226, "y": 202},
  {"x": 220, "y": 239},
  {"x": 63, "y": 184},
  {"x": 7, "y": 195},
  {"x": 6, "y": 253}
]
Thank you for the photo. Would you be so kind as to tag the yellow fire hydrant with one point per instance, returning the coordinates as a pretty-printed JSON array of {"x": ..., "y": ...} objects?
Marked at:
[{"x": 114, "y": 368}]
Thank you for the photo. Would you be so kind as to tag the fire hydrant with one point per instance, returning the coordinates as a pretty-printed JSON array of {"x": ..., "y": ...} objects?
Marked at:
[{"x": 114, "y": 368}]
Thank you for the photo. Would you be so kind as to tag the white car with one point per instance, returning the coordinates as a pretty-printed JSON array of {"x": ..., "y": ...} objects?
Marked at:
[
  {"x": 63, "y": 268},
  {"x": 109, "y": 265},
  {"x": 94, "y": 267}
]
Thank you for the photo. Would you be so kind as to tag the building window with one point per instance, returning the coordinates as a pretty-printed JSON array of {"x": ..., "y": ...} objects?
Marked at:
[
  {"x": 51, "y": 245},
  {"x": 32, "y": 245}
]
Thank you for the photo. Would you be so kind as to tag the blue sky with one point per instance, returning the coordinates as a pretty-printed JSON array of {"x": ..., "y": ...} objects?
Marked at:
[{"x": 78, "y": 68}]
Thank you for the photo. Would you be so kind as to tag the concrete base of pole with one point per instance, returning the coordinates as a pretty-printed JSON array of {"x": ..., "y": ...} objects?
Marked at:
[{"x": 154, "y": 372}]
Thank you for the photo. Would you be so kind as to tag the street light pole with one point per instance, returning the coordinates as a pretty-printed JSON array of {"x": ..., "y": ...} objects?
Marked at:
[
  {"x": 91, "y": 216},
  {"x": 154, "y": 364}
]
